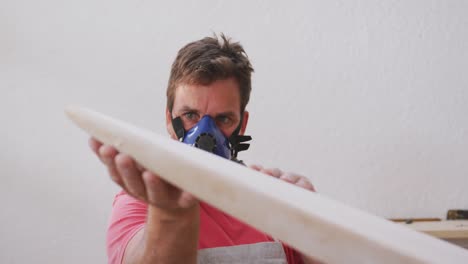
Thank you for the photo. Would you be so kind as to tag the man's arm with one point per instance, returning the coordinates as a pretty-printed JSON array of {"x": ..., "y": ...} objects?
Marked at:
[
  {"x": 297, "y": 180},
  {"x": 171, "y": 231},
  {"x": 166, "y": 238}
]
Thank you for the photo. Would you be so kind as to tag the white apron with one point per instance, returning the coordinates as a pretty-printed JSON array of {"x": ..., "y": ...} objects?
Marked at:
[{"x": 258, "y": 253}]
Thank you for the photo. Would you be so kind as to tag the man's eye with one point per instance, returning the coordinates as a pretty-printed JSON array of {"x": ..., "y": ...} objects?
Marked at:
[
  {"x": 223, "y": 120},
  {"x": 191, "y": 116}
]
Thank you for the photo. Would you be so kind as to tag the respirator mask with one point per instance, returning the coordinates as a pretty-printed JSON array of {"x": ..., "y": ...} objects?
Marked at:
[{"x": 207, "y": 136}]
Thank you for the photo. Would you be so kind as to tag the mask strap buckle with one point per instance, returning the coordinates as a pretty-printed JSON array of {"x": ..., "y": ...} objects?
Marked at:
[{"x": 237, "y": 142}]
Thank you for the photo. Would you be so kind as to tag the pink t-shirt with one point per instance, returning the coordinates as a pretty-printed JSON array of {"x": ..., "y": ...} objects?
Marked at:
[{"x": 217, "y": 229}]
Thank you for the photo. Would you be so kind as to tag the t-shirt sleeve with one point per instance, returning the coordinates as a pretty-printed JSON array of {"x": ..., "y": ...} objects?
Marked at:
[{"x": 127, "y": 218}]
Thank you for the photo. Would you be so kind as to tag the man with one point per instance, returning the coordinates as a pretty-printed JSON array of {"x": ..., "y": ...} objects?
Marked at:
[{"x": 155, "y": 222}]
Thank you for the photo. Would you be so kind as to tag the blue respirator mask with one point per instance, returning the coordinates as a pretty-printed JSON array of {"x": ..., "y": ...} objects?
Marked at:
[{"x": 207, "y": 136}]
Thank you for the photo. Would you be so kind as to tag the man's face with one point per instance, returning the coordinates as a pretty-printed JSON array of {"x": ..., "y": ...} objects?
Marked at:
[{"x": 220, "y": 100}]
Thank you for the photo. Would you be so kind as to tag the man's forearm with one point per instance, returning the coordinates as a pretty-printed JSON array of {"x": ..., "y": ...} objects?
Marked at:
[
  {"x": 172, "y": 237},
  {"x": 168, "y": 237}
]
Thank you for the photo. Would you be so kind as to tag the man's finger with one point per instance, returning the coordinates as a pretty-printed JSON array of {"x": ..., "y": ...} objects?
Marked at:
[
  {"x": 289, "y": 177},
  {"x": 94, "y": 145},
  {"x": 275, "y": 172},
  {"x": 131, "y": 176},
  {"x": 158, "y": 191},
  {"x": 114, "y": 174},
  {"x": 107, "y": 154},
  {"x": 256, "y": 167},
  {"x": 139, "y": 167},
  {"x": 187, "y": 200},
  {"x": 305, "y": 183}
]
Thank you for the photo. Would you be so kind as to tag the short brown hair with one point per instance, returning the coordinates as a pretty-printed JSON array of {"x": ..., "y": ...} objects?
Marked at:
[{"x": 208, "y": 60}]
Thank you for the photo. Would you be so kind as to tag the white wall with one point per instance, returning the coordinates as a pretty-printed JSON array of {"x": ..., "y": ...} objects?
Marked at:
[{"x": 367, "y": 98}]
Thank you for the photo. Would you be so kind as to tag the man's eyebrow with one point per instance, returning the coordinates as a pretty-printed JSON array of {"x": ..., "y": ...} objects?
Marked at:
[
  {"x": 187, "y": 108},
  {"x": 228, "y": 114}
]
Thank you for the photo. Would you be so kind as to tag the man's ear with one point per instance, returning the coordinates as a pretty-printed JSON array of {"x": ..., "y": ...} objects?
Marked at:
[
  {"x": 169, "y": 127},
  {"x": 245, "y": 120}
]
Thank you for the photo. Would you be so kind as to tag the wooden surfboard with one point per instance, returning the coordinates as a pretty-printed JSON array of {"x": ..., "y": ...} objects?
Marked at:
[{"x": 310, "y": 222}]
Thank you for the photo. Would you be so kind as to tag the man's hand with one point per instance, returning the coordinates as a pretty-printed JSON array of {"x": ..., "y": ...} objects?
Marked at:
[
  {"x": 172, "y": 213},
  {"x": 295, "y": 179},
  {"x": 140, "y": 183}
]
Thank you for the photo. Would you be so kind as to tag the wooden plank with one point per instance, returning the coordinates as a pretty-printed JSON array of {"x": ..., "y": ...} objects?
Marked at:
[
  {"x": 452, "y": 229},
  {"x": 312, "y": 223}
]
